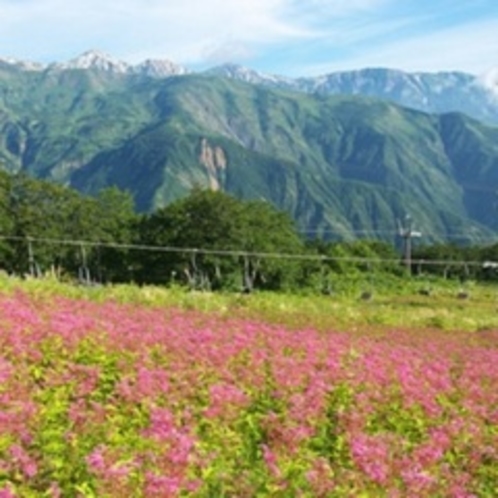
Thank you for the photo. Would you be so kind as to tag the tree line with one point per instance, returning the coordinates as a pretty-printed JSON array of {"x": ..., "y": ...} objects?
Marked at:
[{"x": 233, "y": 239}]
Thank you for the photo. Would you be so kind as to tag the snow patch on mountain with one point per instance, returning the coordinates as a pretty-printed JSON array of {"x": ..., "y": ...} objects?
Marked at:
[
  {"x": 428, "y": 92},
  {"x": 94, "y": 59},
  {"x": 159, "y": 68},
  {"x": 241, "y": 73},
  {"x": 100, "y": 61},
  {"x": 22, "y": 65},
  {"x": 489, "y": 81}
]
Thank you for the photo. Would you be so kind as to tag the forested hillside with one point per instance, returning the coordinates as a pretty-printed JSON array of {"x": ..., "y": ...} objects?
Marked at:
[{"x": 341, "y": 167}]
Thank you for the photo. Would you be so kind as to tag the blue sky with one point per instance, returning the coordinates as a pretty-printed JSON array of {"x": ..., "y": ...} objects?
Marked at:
[{"x": 286, "y": 37}]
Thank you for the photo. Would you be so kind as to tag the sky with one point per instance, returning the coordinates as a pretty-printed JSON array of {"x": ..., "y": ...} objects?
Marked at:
[{"x": 285, "y": 37}]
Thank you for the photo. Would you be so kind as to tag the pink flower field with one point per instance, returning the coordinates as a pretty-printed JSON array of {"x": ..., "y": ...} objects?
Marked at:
[{"x": 121, "y": 400}]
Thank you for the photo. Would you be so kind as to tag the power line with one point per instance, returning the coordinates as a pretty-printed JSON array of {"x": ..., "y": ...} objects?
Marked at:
[
  {"x": 394, "y": 233},
  {"x": 240, "y": 252}
]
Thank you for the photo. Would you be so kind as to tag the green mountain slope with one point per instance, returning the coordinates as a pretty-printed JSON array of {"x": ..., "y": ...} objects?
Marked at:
[{"x": 342, "y": 166}]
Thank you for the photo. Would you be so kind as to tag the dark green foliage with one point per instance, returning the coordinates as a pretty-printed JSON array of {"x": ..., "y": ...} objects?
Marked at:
[
  {"x": 41, "y": 224},
  {"x": 214, "y": 222},
  {"x": 441, "y": 259},
  {"x": 206, "y": 240}
]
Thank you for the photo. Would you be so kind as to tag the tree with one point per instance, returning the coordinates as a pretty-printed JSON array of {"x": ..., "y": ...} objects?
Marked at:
[
  {"x": 269, "y": 231},
  {"x": 441, "y": 259},
  {"x": 33, "y": 211},
  {"x": 205, "y": 220},
  {"x": 220, "y": 235},
  {"x": 116, "y": 222},
  {"x": 41, "y": 223}
]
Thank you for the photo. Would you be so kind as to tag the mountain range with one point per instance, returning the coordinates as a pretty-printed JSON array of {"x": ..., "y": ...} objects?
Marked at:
[
  {"x": 345, "y": 154},
  {"x": 440, "y": 92}
]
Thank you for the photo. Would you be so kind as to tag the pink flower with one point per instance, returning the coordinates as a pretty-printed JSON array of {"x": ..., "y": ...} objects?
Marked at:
[
  {"x": 162, "y": 424},
  {"x": 96, "y": 460},
  {"x": 55, "y": 491},
  {"x": 23, "y": 461},
  {"x": 271, "y": 460},
  {"x": 162, "y": 486},
  {"x": 417, "y": 480},
  {"x": 371, "y": 455},
  {"x": 225, "y": 397}
]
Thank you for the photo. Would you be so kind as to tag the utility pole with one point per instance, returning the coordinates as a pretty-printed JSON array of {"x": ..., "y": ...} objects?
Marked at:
[
  {"x": 406, "y": 232},
  {"x": 31, "y": 259}
]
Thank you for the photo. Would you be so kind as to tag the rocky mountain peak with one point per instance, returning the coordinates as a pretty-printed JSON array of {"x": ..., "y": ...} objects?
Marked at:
[
  {"x": 23, "y": 65},
  {"x": 94, "y": 59},
  {"x": 159, "y": 68},
  {"x": 100, "y": 61},
  {"x": 242, "y": 73},
  {"x": 428, "y": 92}
]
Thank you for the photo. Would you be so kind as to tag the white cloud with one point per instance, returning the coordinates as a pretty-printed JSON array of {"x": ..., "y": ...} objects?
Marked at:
[
  {"x": 310, "y": 34},
  {"x": 182, "y": 29},
  {"x": 186, "y": 29},
  {"x": 490, "y": 81},
  {"x": 472, "y": 47}
]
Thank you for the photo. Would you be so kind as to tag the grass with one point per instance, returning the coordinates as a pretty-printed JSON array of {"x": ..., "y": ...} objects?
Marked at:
[{"x": 398, "y": 304}]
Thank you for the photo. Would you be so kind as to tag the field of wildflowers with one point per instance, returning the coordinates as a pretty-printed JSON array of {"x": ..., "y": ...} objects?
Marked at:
[{"x": 100, "y": 398}]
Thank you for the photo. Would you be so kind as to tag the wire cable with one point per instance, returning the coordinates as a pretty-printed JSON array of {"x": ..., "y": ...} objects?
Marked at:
[{"x": 244, "y": 253}]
